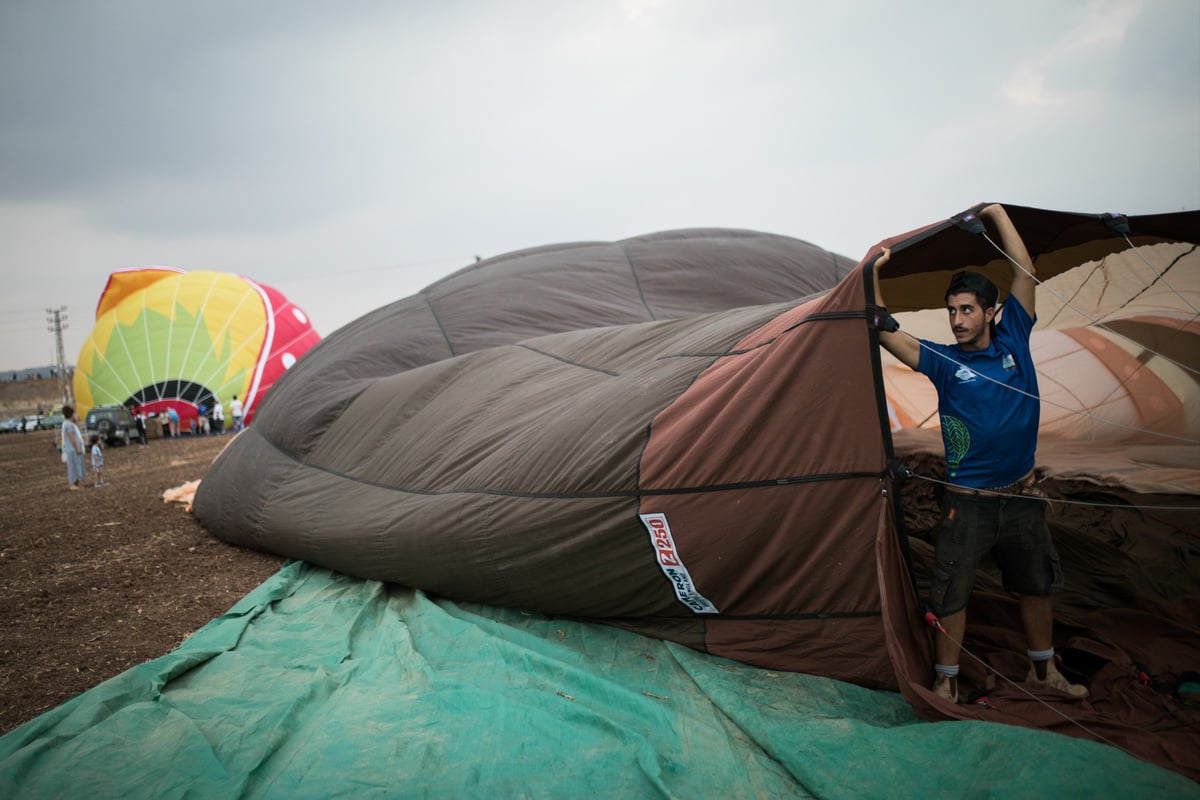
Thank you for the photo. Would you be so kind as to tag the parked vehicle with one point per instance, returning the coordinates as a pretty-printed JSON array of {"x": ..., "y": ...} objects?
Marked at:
[
  {"x": 31, "y": 422},
  {"x": 113, "y": 423}
]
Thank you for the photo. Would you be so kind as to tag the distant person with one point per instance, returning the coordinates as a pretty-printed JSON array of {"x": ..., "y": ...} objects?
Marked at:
[
  {"x": 24, "y": 424},
  {"x": 203, "y": 411},
  {"x": 218, "y": 415},
  {"x": 139, "y": 421},
  {"x": 42, "y": 410},
  {"x": 235, "y": 411},
  {"x": 72, "y": 449},
  {"x": 97, "y": 460},
  {"x": 173, "y": 421}
]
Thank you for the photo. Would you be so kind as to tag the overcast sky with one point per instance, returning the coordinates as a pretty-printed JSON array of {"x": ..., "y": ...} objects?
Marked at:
[{"x": 350, "y": 153}]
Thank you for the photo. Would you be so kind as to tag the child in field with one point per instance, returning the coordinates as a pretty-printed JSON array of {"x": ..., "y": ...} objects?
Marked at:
[{"x": 97, "y": 459}]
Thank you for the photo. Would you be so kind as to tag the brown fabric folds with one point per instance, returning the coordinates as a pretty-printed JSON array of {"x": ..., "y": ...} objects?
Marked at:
[{"x": 686, "y": 434}]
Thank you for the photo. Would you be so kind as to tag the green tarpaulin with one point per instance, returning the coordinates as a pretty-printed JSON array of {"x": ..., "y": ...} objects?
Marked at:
[{"x": 320, "y": 685}]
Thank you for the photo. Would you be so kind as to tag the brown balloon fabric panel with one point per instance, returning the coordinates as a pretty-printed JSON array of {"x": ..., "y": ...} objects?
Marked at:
[
  {"x": 769, "y": 472},
  {"x": 687, "y": 435}
]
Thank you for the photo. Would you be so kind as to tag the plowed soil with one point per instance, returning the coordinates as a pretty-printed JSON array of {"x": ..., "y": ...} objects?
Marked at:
[{"x": 93, "y": 582}]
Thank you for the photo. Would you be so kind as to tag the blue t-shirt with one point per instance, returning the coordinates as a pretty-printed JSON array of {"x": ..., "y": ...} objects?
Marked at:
[{"x": 989, "y": 430}]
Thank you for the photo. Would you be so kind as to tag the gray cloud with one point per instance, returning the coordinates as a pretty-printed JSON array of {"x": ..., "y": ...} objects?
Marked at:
[{"x": 302, "y": 142}]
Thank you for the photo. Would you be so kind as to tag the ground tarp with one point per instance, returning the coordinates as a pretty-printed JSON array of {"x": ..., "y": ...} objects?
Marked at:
[{"x": 321, "y": 685}]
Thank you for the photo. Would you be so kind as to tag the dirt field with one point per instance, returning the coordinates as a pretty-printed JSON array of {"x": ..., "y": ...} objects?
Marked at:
[{"x": 94, "y": 582}]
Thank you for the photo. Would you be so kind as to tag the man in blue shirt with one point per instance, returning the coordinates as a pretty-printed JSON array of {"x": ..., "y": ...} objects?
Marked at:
[{"x": 989, "y": 408}]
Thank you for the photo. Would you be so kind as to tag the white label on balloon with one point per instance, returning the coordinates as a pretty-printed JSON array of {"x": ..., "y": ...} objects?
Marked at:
[{"x": 672, "y": 565}]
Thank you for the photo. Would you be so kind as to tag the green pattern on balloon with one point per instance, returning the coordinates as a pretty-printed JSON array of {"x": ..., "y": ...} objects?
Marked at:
[{"x": 156, "y": 348}]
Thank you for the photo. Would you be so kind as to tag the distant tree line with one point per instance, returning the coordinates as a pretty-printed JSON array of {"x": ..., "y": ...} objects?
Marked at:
[{"x": 32, "y": 373}]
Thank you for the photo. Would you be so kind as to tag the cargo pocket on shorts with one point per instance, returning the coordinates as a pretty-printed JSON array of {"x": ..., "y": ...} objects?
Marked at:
[
  {"x": 1056, "y": 573},
  {"x": 947, "y": 560}
]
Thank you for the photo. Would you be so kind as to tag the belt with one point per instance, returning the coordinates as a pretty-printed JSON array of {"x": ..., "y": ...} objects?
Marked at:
[{"x": 1022, "y": 486}]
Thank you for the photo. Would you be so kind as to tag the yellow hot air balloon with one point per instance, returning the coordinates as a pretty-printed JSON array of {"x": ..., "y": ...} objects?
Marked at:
[{"x": 167, "y": 339}]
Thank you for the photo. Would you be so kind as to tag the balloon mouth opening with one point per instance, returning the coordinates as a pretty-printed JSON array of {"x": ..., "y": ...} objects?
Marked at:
[{"x": 185, "y": 397}]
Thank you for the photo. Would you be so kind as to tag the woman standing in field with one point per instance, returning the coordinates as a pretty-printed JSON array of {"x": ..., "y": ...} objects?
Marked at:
[{"x": 72, "y": 449}]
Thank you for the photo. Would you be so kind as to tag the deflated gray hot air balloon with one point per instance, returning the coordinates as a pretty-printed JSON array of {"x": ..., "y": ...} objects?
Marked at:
[{"x": 685, "y": 434}]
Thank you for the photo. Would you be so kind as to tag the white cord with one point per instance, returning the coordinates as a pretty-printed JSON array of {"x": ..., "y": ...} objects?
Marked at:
[
  {"x": 1003, "y": 677},
  {"x": 1162, "y": 276},
  {"x": 1094, "y": 322},
  {"x": 1048, "y": 499},
  {"x": 1080, "y": 412}
]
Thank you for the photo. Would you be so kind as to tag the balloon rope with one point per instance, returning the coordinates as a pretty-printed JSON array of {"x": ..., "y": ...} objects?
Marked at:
[
  {"x": 1077, "y": 411},
  {"x": 1045, "y": 499},
  {"x": 1094, "y": 322},
  {"x": 936, "y": 624},
  {"x": 1162, "y": 276}
]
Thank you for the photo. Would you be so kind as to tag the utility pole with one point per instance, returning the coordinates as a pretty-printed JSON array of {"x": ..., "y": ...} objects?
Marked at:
[{"x": 56, "y": 320}]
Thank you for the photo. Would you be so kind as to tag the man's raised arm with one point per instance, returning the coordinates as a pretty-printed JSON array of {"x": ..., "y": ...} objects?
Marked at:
[
  {"x": 1024, "y": 284},
  {"x": 902, "y": 346}
]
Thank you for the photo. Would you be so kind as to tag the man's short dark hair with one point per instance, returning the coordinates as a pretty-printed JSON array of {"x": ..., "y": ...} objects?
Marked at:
[{"x": 984, "y": 290}]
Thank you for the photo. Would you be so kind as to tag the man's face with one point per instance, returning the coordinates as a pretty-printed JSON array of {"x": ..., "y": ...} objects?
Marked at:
[{"x": 969, "y": 321}]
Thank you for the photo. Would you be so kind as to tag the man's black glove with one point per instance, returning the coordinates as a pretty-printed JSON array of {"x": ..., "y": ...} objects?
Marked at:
[
  {"x": 970, "y": 222},
  {"x": 881, "y": 319}
]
